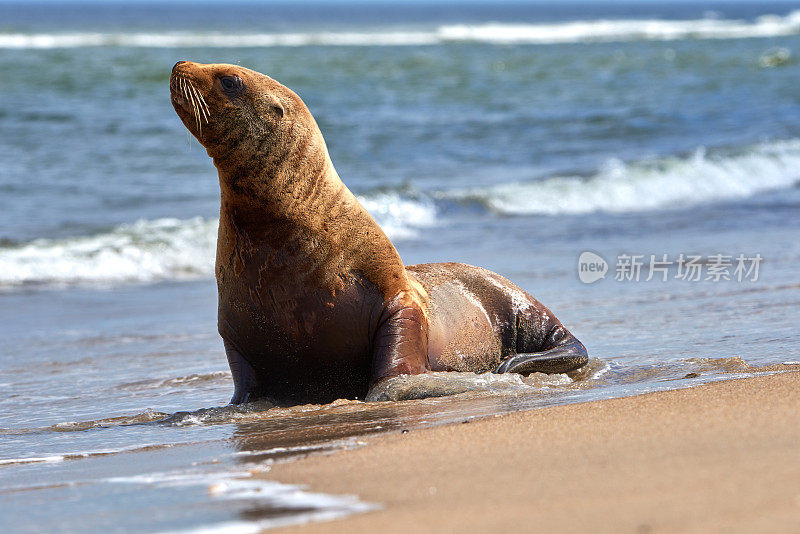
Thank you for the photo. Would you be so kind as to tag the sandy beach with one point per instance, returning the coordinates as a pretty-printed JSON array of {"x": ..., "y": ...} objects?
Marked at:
[{"x": 723, "y": 457}]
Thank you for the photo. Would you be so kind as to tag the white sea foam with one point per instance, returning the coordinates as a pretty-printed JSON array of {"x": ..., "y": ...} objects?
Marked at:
[
  {"x": 400, "y": 217},
  {"x": 54, "y": 458},
  {"x": 624, "y": 30},
  {"x": 213, "y": 39},
  {"x": 649, "y": 185},
  {"x": 442, "y": 384},
  {"x": 142, "y": 251},
  {"x": 33, "y": 460},
  {"x": 301, "y": 506},
  {"x": 164, "y": 249},
  {"x": 499, "y": 33}
]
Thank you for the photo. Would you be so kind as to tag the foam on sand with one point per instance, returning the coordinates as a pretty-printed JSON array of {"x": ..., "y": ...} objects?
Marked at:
[{"x": 284, "y": 504}]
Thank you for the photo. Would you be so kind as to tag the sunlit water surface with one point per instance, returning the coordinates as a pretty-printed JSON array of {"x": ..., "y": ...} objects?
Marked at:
[{"x": 512, "y": 147}]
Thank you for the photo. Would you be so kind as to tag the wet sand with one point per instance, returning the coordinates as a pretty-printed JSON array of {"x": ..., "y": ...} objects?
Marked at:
[{"x": 719, "y": 457}]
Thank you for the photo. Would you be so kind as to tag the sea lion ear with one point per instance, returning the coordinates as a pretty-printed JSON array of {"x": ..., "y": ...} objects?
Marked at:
[{"x": 271, "y": 105}]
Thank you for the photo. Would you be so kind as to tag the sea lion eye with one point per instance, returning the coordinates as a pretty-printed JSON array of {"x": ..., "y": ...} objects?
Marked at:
[{"x": 231, "y": 84}]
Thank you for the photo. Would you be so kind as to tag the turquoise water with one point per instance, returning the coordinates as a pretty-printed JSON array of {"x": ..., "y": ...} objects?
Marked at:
[{"x": 512, "y": 137}]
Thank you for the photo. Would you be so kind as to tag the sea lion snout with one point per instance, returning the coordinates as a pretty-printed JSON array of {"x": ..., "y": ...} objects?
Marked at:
[
  {"x": 189, "y": 98},
  {"x": 184, "y": 69}
]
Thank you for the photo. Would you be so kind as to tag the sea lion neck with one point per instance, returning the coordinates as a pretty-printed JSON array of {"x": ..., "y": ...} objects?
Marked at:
[
  {"x": 281, "y": 193},
  {"x": 274, "y": 168}
]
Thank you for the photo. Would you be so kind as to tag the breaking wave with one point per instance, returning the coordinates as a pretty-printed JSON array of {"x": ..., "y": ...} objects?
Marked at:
[
  {"x": 494, "y": 33},
  {"x": 137, "y": 252},
  {"x": 624, "y": 30},
  {"x": 618, "y": 187},
  {"x": 164, "y": 249},
  {"x": 178, "y": 249}
]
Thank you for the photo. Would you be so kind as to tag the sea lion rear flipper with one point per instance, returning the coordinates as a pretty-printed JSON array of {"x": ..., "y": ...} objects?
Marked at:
[
  {"x": 543, "y": 345},
  {"x": 558, "y": 360}
]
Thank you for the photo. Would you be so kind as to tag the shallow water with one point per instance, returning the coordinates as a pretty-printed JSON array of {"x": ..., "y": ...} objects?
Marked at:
[{"x": 512, "y": 137}]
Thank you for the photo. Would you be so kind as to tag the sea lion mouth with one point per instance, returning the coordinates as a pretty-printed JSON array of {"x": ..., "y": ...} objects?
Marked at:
[
  {"x": 186, "y": 97},
  {"x": 177, "y": 97}
]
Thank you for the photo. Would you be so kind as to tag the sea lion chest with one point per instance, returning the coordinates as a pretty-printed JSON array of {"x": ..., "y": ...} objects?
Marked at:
[{"x": 302, "y": 322}]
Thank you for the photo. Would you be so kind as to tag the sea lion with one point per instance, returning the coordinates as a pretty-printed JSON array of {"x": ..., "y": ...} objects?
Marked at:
[{"x": 315, "y": 303}]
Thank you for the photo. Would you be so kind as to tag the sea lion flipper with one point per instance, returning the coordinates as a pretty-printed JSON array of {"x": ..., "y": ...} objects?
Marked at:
[
  {"x": 543, "y": 345},
  {"x": 558, "y": 360},
  {"x": 401, "y": 342},
  {"x": 244, "y": 379}
]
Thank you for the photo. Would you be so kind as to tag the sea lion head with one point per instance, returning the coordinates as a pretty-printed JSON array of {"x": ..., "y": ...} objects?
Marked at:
[{"x": 237, "y": 113}]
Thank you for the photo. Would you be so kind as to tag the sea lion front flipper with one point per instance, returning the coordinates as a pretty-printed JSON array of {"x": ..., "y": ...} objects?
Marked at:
[
  {"x": 558, "y": 360},
  {"x": 400, "y": 345},
  {"x": 243, "y": 376}
]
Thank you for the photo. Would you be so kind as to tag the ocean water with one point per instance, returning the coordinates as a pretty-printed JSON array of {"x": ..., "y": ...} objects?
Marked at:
[{"x": 663, "y": 140}]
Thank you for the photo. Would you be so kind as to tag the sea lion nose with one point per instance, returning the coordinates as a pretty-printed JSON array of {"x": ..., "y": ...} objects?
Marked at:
[{"x": 178, "y": 64}]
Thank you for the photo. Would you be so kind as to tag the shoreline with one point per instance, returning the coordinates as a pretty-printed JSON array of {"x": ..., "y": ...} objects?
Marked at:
[{"x": 721, "y": 456}]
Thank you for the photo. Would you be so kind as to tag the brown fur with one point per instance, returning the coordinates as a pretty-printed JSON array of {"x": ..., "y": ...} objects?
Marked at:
[{"x": 314, "y": 300}]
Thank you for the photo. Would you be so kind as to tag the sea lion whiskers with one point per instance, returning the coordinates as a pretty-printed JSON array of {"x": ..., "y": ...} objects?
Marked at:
[
  {"x": 182, "y": 87},
  {"x": 206, "y": 109},
  {"x": 201, "y": 104},
  {"x": 190, "y": 99},
  {"x": 203, "y": 107},
  {"x": 195, "y": 106},
  {"x": 182, "y": 84},
  {"x": 195, "y": 112}
]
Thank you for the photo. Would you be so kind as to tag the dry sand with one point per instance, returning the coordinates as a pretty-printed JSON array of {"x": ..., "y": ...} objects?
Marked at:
[{"x": 724, "y": 457}]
